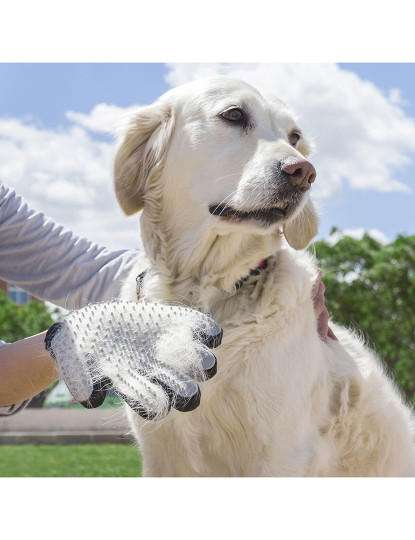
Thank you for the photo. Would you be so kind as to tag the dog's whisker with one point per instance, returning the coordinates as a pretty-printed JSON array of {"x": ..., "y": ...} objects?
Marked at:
[
  {"x": 225, "y": 200},
  {"x": 227, "y": 176}
]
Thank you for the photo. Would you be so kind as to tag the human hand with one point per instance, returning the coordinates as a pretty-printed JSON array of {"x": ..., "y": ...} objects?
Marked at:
[
  {"x": 152, "y": 354},
  {"x": 320, "y": 309}
]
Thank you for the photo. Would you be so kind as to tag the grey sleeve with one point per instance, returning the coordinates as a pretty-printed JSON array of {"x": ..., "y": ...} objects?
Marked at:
[
  {"x": 13, "y": 409},
  {"x": 52, "y": 263}
]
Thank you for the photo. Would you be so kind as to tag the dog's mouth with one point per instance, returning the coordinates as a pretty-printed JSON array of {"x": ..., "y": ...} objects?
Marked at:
[{"x": 267, "y": 216}]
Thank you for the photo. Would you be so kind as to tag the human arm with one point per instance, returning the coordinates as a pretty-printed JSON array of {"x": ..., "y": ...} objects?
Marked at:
[
  {"x": 54, "y": 264},
  {"x": 26, "y": 368},
  {"x": 320, "y": 309}
]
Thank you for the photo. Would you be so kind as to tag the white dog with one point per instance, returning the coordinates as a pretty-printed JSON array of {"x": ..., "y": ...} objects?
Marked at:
[{"x": 221, "y": 174}]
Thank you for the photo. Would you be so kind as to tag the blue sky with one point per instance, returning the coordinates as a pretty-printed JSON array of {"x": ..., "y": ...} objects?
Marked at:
[
  {"x": 46, "y": 91},
  {"x": 361, "y": 115}
]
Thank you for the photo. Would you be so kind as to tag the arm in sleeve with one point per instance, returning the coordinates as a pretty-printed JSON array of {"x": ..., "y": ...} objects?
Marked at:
[
  {"x": 52, "y": 263},
  {"x": 13, "y": 409}
]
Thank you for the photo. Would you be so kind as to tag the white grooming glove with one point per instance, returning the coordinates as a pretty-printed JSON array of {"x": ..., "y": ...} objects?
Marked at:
[{"x": 152, "y": 354}]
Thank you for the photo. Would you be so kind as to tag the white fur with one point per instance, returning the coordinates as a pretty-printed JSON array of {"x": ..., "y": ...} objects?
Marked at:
[{"x": 283, "y": 403}]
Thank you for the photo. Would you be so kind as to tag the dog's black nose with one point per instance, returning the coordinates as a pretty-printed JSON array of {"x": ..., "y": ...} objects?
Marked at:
[{"x": 301, "y": 173}]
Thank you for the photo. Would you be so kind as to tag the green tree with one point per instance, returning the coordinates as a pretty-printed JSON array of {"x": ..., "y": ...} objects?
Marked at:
[
  {"x": 19, "y": 322},
  {"x": 371, "y": 287}
]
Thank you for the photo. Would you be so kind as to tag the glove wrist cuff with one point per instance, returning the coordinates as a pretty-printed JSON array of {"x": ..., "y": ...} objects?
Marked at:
[{"x": 50, "y": 334}]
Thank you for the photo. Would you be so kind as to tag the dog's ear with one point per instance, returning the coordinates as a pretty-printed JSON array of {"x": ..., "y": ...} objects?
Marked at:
[
  {"x": 140, "y": 155},
  {"x": 302, "y": 229}
]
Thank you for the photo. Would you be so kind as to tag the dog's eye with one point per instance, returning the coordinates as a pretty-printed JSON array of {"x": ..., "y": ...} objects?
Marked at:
[
  {"x": 294, "y": 138},
  {"x": 235, "y": 115}
]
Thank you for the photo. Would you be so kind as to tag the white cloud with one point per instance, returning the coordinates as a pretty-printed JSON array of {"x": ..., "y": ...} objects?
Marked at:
[
  {"x": 395, "y": 96},
  {"x": 103, "y": 118},
  {"x": 362, "y": 136},
  {"x": 358, "y": 234},
  {"x": 67, "y": 174}
]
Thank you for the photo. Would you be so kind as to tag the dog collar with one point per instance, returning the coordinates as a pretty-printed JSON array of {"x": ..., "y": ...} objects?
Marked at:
[
  {"x": 254, "y": 272},
  {"x": 139, "y": 282}
]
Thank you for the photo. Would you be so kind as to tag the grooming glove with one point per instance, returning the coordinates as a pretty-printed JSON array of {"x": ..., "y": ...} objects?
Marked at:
[{"x": 153, "y": 355}]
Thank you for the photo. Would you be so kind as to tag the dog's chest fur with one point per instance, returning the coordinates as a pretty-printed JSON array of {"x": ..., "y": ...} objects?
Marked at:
[{"x": 244, "y": 424}]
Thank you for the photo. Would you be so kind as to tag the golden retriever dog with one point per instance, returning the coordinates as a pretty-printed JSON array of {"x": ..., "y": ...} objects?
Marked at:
[{"x": 221, "y": 174}]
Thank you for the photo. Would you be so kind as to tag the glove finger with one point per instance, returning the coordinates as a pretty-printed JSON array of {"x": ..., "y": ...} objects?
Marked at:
[
  {"x": 188, "y": 403},
  {"x": 145, "y": 412},
  {"x": 184, "y": 401},
  {"x": 98, "y": 394},
  {"x": 182, "y": 390},
  {"x": 209, "y": 363},
  {"x": 183, "y": 397},
  {"x": 147, "y": 399},
  {"x": 209, "y": 334}
]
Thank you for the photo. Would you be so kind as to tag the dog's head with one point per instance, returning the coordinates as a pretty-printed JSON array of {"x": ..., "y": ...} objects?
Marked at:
[{"x": 217, "y": 152}]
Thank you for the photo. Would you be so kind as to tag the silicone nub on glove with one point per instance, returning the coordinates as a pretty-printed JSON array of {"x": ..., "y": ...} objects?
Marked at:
[{"x": 153, "y": 355}]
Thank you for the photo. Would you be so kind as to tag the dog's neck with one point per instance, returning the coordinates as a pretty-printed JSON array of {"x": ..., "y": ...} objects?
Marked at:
[{"x": 198, "y": 267}]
